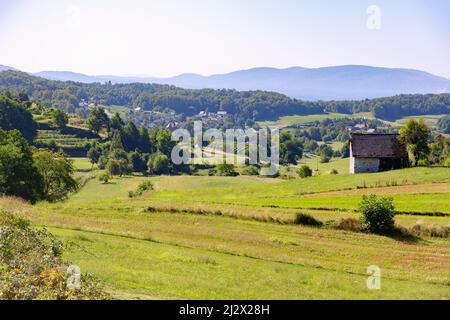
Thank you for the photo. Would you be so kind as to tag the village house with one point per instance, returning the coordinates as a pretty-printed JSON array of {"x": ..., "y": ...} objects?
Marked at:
[{"x": 376, "y": 152}]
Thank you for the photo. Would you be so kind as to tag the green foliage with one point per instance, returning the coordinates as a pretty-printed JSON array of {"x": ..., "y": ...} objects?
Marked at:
[
  {"x": 102, "y": 162},
  {"x": 57, "y": 172},
  {"x": 15, "y": 116},
  {"x": 137, "y": 161},
  {"x": 118, "y": 165},
  {"x": 311, "y": 146},
  {"x": 158, "y": 164},
  {"x": 251, "y": 171},
  {"x": 104, "y": 177},
  {"x": 326, "y": 153},
  {"x": 447, "y": 162},
  {"x": 162, "y": 141},
  {"x": 98, "y": 120},
  {"x": 256, "y": 105},
  {"x": 144, "y": 140},
  {"x": 226, "y": 170},
  {"x": 401, "y": 106},
  {"x": 377, "y": 213},
  {"x": 130, "y": 137},
  {"x": 414, "y": 135},
  {"x": 94, "y": 154},
  {"x": 116, "y": 123},
  {"x": 291, "y": 148},
  {"x": 31, "y": 267},
  {"x": 60, "y": 119},
  {"x": 345, "y": 150},
  {"x": 307, "y": 220},
  {"x": 116, "y": 141},
  {"x": 305, "y": 172},
  {"x": 18, "y": 174},
  {"x": 444, "y": 124},
  {"x": 439, "y": 150},
  {"x": 143, "y": 187}
]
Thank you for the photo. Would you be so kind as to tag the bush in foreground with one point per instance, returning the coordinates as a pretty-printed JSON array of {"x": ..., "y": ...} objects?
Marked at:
[
  {"x": 377, "y": 213},
  {"x": 31, "y": 267}
]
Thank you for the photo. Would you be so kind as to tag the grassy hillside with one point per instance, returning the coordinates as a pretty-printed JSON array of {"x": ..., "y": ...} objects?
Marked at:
[
  {"x": 288, "y": 121},
  {"x": 218, "y": 237},
  {"x": 71, "y": 139},
  {"x": 430, "y": 120}
]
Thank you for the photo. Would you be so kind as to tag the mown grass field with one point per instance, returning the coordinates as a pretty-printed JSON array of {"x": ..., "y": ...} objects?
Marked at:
[
  {"x": 430, "y": 120},
  {"x": 235, "y": 240},
  {"x": 288, "y": 121}
]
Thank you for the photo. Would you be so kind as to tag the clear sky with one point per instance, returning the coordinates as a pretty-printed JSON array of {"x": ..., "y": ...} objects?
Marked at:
[{"x": 169, "y": 37}]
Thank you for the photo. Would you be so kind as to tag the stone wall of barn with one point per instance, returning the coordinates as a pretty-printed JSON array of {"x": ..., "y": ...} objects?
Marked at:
[{"x": 364, "y": 165}]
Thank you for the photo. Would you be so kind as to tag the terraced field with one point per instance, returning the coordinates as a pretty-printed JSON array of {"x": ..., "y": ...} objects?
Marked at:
[{"x": 74, "y": 137}]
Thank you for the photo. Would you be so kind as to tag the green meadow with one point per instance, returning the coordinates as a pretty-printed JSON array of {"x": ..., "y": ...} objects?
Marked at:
[
  {"x": 287, "y": 121},
  {"x": 302, "y": 120},
  {"x": 233, "y": 237}
]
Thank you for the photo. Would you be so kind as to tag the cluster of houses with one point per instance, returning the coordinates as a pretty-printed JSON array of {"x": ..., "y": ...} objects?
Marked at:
[
  {"x": 173, "y": 121},
  {"x": 362, "y": 127},
  {"x": 206, "y": 114},
  {"x": 86, "y": 103}
]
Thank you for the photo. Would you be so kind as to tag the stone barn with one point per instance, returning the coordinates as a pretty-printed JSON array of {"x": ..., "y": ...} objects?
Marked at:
[{"x": 376, "y": 152}]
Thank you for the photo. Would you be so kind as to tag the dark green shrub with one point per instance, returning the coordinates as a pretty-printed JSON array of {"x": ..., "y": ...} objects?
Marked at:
[
  {"x": 305, "y": 172},
  {"x": 307, "y": 220},
  {"x": 377, "y": 213},
  {"x": 226, "y": 170},
  {"x": 159, "y": 164},
  {"x": 324, "y": 158},
  {"x": 104, "y": 177},
  {"x": 251, "y": 171}
]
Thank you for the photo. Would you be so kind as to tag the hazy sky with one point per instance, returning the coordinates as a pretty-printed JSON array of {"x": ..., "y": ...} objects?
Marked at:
[{"x": 169, "y": 37}]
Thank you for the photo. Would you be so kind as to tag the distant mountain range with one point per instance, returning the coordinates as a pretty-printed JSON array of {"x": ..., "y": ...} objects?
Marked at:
[
  {"x": 6, "y": 68},
  {"x": 328, "y": 83}
]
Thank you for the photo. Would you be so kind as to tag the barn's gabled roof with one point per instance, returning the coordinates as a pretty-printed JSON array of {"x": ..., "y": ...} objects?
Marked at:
[{"x": 377, "y": 146}]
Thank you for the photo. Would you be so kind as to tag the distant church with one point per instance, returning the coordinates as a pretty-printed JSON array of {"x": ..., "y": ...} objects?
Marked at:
[{"x": 376, "y": 152}]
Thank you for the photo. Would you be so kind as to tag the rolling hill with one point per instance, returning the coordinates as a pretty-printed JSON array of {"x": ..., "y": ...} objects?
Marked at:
[
  {"x": 6, "y": 68},
  {"x": 328, "y": 83}
]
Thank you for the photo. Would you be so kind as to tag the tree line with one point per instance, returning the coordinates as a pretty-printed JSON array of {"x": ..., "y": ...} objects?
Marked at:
[{"x": 253, "y": 105}]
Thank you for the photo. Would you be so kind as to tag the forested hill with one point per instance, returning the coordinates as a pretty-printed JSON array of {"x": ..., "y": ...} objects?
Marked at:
[{"x": 257, "y": 105}]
